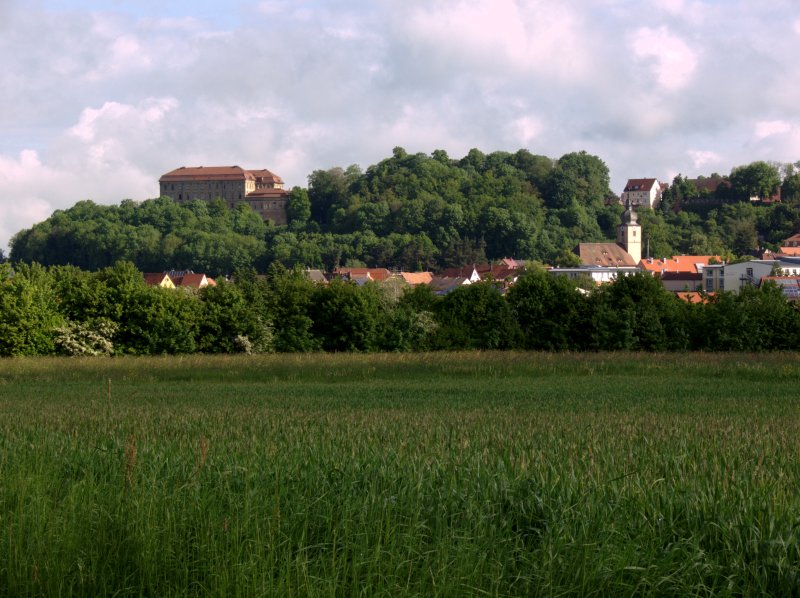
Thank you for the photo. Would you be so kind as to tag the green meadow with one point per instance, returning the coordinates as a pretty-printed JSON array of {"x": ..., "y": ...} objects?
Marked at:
[{"x": 498, "y": 474}]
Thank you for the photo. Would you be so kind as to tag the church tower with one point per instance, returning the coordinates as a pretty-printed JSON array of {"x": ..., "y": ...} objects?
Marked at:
[{"x": 629, "y": 233}]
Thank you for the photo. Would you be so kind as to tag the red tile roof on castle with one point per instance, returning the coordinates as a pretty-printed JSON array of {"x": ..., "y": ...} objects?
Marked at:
[{"x": 216, "y": 173}]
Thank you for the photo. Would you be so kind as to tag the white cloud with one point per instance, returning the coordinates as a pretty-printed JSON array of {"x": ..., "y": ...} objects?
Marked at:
[
  {"x": 109, "y": 100},
  {"x": 703, "y": 158},
  {"x": 674, "y": 62},
  {"x": 526, "y": 129},
  {"x": 768, "y": 128},
  {"x": 672, "y": 6},
  {"x": 498, "y": 36}
]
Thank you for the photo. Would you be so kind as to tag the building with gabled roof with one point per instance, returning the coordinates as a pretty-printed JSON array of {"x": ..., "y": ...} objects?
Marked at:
[
  {"x": 188, "y": 279},
  {"x": 469, "y": 272},
  {"x": 643, "y": 192},
  {"x": 680, "y": 272},
  {"x": 158, "y": 279},
  {"x": 415, "y": 278},
  {"x": 442, "y": 285},
  {"x": 604, "y": 262},
  {"x": 261, "y": 189}
]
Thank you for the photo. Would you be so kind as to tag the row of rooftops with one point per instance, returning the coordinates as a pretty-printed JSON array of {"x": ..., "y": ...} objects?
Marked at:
[{"x": 178, "y": 278}]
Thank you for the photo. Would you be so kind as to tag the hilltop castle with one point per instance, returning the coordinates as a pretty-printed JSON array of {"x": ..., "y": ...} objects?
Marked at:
[{"x": 262, "y": 190}]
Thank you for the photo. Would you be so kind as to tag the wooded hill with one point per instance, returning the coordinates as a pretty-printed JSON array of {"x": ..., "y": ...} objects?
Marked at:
[{"x": 420, "y": 212}]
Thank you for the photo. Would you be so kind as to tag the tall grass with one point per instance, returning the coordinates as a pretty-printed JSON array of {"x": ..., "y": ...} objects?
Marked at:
[{"x": 430, "y": 475}]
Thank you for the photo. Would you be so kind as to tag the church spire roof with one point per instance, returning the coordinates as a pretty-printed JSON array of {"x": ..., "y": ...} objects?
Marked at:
[{"x": 629, "y": 215}]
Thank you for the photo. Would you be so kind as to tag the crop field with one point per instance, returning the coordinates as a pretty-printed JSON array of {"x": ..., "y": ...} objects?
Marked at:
[{"x": 499, "y": 474}]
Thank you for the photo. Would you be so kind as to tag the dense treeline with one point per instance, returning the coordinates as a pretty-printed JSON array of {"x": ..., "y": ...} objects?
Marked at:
[
  {"x": 65, "y": 310},
  {"x": 417, "y": 212}
]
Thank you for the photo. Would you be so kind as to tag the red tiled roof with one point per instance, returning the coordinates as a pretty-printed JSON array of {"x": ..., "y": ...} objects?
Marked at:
[
  {"x": 265, "y": 175},
  {"x": 639, "y": 185},
  {"x": 693, "y": 296},
  {"x": 415, "y": 278},
  {"x": 503, "y": 272},
  {"x": 207, "y": 173},
  {"x": 154, "y": 279},
  {"x": 677, "y": 263},
  {"x": 462, "y": 272},
  {"x": 191, "y": 280},
  {"x": 709, "y": 184},
  {"x": 793, "y": 239},
  {"x": 216, "y": 173}
]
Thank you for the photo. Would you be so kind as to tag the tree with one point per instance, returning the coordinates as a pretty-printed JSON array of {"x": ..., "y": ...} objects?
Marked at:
[
  {"x": 29, "y": 314},
  {"x": 790, "y": 190},
  {"x": 579, "y": 176},
  {"x": 298, "y": 208},
  {"x": 288, "y": 301},
  {"x": 636, "y": 313},
  {"x": 549, "y": 310},
  {"x": 346, "y": 317},
  {"x": 757, "y": 179},
  {"x": 475, "y": 316},
  {"x": 227, "y": 317}
]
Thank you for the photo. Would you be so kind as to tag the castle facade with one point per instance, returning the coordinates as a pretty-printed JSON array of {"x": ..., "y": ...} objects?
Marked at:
[{"x": 261, "y": 189}]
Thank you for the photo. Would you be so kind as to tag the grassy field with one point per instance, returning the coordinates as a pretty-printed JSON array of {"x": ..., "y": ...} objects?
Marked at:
[{"x": 391, "y": 475}]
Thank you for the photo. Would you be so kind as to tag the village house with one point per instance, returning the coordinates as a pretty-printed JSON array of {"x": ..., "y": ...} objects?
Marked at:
[
  {"x": 643, "y": 192},
  {"x": 442, "y": 285},
  {"x": 158, "y": 279},
  {"x": 680, "y": 272},
  {"x": 415, "y": 278},
  {"x": 468, "y": 272},
  {"x": 188, "y": 279},
  {"x": 734, "y": 277},
  {"x": 262, "y": 190},
  {"x": 178, "y": 278},
  {"x": 791, "y": 246}
]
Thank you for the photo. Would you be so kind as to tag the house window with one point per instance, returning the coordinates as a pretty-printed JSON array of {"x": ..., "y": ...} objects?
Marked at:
[
  {"x": 709, "y": 285},
  {"x": 750, "y": 272}
]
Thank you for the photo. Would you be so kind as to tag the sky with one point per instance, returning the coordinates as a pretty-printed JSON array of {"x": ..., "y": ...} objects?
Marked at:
[{"x": 101, "y": 97}]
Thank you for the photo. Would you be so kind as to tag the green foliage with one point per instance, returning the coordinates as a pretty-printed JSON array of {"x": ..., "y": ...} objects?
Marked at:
[
  {"x": 550, "y": 312},
  {"x": 475, "y": 316},
  {"x": 298, "y": 208},
  {"x": 758, "y": 179},
  {"x": 29, "y": 313},
  {"x": 346, "y": 317},
  {"x": 499, "y": 474},
  {"x": 635, "y": 313},
  {"x": 418, "y": 211}
]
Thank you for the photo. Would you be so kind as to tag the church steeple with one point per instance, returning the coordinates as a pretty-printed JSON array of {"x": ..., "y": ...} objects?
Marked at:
[{"x": 629, "y": 232}]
